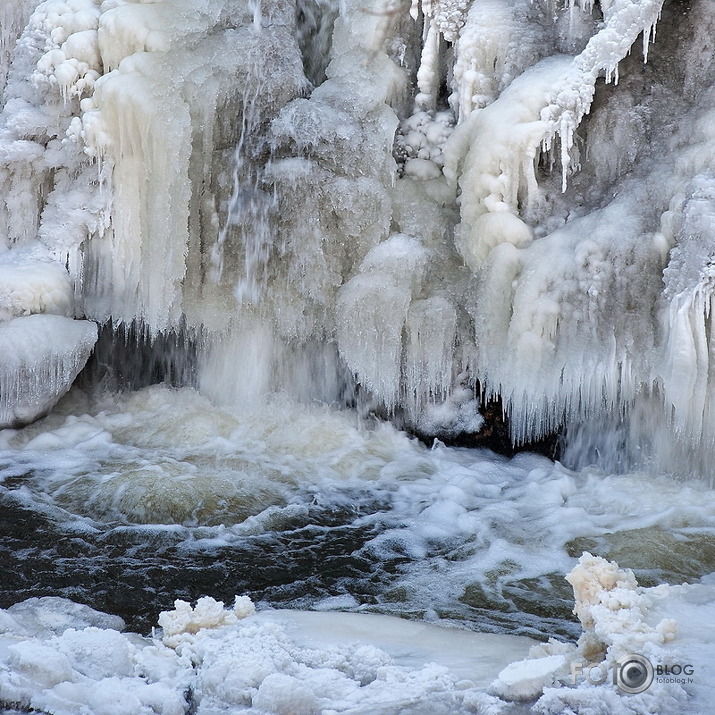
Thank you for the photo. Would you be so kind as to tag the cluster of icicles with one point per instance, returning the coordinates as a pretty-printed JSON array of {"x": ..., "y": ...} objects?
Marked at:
[{"x": 428, "y": 200}]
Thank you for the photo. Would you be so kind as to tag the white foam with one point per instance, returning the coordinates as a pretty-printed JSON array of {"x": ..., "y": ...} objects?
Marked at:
[{"x": 166, "y": 456}]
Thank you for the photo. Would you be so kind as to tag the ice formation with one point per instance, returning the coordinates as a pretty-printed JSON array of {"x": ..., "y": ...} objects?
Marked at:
[
  {"x": 60, "y": 657},
  {"x": 41, "y": 356},
  {"x": 42, "y": 349},
  {"x": 403, "y": 198},
  {"x": 619, "y": 619}
]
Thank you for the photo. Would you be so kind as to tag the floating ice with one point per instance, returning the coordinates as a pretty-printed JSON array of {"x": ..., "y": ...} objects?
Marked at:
[{"x": 275, "y": 662}]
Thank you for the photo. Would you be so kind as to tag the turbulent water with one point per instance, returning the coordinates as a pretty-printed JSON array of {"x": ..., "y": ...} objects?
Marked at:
[{"x": 130, "y": 503}]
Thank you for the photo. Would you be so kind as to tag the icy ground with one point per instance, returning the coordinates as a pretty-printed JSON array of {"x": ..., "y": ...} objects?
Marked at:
[{"x": 59, "y": 657}]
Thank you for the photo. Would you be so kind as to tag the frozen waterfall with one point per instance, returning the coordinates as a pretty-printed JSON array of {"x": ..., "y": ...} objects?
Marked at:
[{"x": 422, "y": 203}]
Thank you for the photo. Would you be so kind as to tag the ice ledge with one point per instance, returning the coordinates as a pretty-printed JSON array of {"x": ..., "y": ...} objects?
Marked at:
[{"x": 40, "y": 357}]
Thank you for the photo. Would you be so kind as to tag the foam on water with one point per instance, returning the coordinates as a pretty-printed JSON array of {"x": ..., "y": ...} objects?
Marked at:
[
  {"x": 170, "y": 456},
  {"x": 463, "y": 530}
]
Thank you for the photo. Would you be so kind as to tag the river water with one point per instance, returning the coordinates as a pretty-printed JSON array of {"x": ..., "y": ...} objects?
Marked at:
[{"x": 130, "y": 501}]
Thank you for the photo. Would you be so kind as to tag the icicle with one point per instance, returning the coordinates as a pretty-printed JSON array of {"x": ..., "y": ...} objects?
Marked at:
[
  {"x": 431, "y": 329},
  {"x": 498, "y": 172},
  {"x": 255, "y": 6},
  {"x": 428, "y": 73},
  {"x": 372, "y": 310},
  {"x": 624, "y": 20},
  {"x": 690, "y": 286}
]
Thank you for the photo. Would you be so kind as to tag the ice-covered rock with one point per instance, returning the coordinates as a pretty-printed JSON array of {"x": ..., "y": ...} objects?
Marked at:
[
  {"x": 40, "y": 356},
  {"x": 548, "y": 159},
  {"x": 29, "y": 287}
]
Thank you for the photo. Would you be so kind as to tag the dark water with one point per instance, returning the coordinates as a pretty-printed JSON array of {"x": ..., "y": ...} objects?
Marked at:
[{"x": 137, "y": 571}]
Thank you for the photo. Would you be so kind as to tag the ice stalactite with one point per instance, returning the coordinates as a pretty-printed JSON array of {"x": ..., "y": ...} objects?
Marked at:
[
  {"x": 687, "y": 372},
  {"x": 53, "y": 67},
  {"x": 162, "y": 118},
  {"x": 116, "y": 153},
  {"x": 566, "y": 313},
  {"x": 41, "y": 348},
  {"x": 372, "y": 312}
]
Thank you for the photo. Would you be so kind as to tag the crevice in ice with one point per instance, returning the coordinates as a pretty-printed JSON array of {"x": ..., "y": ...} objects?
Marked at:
[
  {"x": 314, "y": 26},
  {"x": 130, "y": 357}
]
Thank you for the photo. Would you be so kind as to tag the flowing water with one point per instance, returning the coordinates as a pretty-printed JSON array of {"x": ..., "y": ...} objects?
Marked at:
[{"x": 129, "y": 502}]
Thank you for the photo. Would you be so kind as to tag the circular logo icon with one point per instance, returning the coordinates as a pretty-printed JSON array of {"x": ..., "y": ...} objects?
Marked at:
[{"x": 634, "y": 674}]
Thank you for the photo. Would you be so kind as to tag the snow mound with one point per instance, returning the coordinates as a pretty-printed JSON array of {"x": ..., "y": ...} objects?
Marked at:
[
  {"x": 63, "y": 658},
  {"x": 29, "y": 287}
]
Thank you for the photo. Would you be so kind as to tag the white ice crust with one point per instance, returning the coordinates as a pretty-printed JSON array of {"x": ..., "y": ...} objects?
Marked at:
[
  {"x": 59, "y": 657},
  {"x": 619, "y": 619}
]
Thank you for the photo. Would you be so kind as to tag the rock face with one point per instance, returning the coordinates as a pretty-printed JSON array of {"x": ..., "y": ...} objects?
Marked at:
[{"x": 40, "y": 356}]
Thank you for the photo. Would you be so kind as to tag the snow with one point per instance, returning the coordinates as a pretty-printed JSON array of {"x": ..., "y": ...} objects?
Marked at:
[
  {"x": 526, "y": 679},
  {"x": 208, "y": 613},
  {"x": 28, "y": 287},
  {"x": 277, "y": 662}
]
